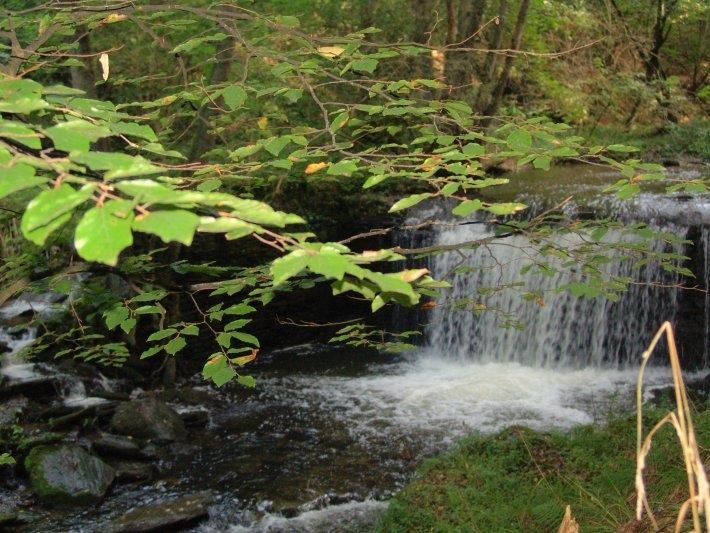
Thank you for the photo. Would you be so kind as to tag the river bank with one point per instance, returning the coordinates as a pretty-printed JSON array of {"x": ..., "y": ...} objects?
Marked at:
[{"x": 522, "y": 480}]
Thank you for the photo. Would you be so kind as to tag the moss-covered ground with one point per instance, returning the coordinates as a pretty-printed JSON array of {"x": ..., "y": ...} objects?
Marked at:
[{"x": 522, "y": 480}]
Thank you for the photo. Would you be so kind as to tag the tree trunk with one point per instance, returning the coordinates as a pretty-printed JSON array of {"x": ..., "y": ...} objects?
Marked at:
[
  {"x": 202, "y": 140},
  {"x": 491, "y": 62},
  {"x": 502, "y": 84},
  {"x": 84, "y": 78},
  {"x": 421, "y": 33}
]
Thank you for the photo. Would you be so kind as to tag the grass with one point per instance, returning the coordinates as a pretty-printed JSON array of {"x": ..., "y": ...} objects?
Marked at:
[{"x": 522, "y": 480}]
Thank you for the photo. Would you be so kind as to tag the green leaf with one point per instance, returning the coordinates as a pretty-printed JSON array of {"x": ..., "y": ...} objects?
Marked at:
[
  {"x": 21, "y": 134},
  {"x": 246, "y": 338},
  {"x": 128, "y": 325},
  {"x": 628, "y": 190},
  {"x": 190, "y": 45},
  {"x": 104, "y": 232},
  {"x": 150, "y": 352},
  {"x": 367, "y": 65},
  {"x": 49, "y": 210},
  {"x": 519, "y": 140},
  {"x": 467, "y": 207},
  {"x": 542, "y": 162},
  {"x": 339, "y": 121},
  {"x": 276, "y": 144},
  {"x": 175, "y": 345},
  {"x": 328, "y": 264},
  {"x": 114, "y": 316},
  {"x": 150, "y": 296},
  {"x": 236, "y": 324},
  {"x": 622, "y": 148},
  {"x": 234, "y": 96},
  {"x": 474, "y": 150},
  {"x": 17, "y": 178},
  {"x": 76, "y": 135},
  {"x": 247, "y": 381},
  {"x": 505, "y": 208},
  {"x": 142, "y": 131},
  {"x": 345, "y": 167},
  {"x": 171, "y": 225},
  {"x": 409, "y": 201},
  {"x": 192, "y": 329},
  {"x": 209, "y": 185},
  {"x": 288, "y": 266},
  {"x": 224, "y": 339},
  {"x": 239, "y": 309},
  {"x": 162, "y": 334},
  {"x": 117, "y": 165},
  {"x": 374, "y": 180}
]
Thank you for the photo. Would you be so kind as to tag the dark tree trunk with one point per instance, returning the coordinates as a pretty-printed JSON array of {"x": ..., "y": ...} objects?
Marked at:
[
  {"x": 421, "y": 33},
  {"x": 84, "y": 77},
  {"x": 515, "y": 41},
  {"x": 202, "y": 140},
  {"x": 491, "y": 63}
]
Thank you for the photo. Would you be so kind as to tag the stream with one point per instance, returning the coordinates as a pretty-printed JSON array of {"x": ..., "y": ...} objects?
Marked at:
[{"x": 329, "y": 434}]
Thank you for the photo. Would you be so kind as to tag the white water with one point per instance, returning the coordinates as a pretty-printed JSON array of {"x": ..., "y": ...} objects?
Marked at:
[
  {"x": 353, "y": 514},
  {"x": 435, "y": 400},
  {"x": 554, "y": 330},
  {"x": 15, "y": 368}
]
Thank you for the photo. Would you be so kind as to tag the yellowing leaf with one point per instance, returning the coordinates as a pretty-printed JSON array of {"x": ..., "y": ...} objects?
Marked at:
[
  {"x": 113, "y": 17},
  {"x": 263, "y": 122},
  {"x": 413, "y": 274},
  {"x": 103, "y": 61},
  {"x": 330, "y": 51},
  {"x": 312, "y": 168}
]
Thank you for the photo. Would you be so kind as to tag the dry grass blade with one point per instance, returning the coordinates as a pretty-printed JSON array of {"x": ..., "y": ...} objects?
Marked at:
[
  {"x": 569, "y": 524},
  {"x": 699, "y": 493}
]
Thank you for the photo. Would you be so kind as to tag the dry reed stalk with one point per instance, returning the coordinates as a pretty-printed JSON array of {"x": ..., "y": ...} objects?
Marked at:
[{"x": 699, "y": 499}]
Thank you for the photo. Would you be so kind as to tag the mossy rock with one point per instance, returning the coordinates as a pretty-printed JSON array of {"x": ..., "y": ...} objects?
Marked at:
[
  {"x": 66, "y": 474},
  {"x": 149, "y": 419}
]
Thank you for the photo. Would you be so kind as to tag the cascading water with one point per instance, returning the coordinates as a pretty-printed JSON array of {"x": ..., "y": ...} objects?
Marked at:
[{"x": 555, "y": 329}]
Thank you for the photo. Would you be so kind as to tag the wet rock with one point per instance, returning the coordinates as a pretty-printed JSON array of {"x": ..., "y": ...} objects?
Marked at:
[
  {"x": 195, "y": 417},
  {"x": 11, "y": 409},
  {"x": 117, "y": 446},
  {"x": 39, "y": 439},
  {"x": 67, "y": 474},
  {"x": 169, "y": 516},
  {"x": 148, "y": 419},
  {"x": 38, "y": 388},
  {"x": 8, "y": 514},
  {"x": 132, "y": 471},
  {"x": 192, "y": 396}
]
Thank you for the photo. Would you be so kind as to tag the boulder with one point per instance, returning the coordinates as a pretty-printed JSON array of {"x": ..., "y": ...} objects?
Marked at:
[
  {"x": 148, "y": 419},
  {"x": 116, "y": 445},
  {"x": 132, "y": 471},
  {"x": 11, "y": 409},
  {"x": 66, "y": 474},
  {"x": 174, "y": 515}
]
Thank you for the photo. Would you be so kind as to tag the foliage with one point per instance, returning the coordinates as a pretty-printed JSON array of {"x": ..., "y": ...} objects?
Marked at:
[{"x": 521, "y": 480}]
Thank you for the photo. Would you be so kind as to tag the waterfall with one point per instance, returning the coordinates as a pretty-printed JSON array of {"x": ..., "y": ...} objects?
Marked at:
[{"x": 557, "y": 329}]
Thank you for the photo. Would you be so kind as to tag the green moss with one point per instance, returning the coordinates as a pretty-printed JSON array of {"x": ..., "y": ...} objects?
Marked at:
[{"x": 522, "y": 480}]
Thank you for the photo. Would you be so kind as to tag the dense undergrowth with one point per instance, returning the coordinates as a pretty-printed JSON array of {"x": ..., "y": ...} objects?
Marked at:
[{"x": 522, "y": 480}]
